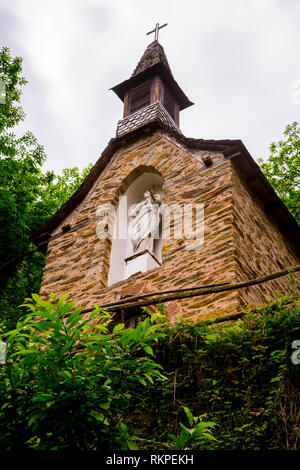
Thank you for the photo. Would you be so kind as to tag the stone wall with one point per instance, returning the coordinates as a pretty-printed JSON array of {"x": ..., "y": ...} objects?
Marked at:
[
  {"x": 237, "y": 237},
  {"x": 260, "y": 246},
  {"x": 78, "y": 262}
]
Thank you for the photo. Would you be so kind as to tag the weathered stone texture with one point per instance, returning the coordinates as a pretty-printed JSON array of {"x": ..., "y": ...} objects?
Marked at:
[
  {"x": 240, "y": 242},
  {"x": 260, "y": 248},
  {"x": 86, "y": 258}
]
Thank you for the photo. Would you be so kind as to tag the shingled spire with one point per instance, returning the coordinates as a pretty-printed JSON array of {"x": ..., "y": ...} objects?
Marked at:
[
  {"x": 154, "y": 54},
  {"x": 151, "y": 93}
]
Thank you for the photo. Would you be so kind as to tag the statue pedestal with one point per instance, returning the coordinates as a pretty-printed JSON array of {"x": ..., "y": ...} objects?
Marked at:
[{"x": 141, "y": 261}]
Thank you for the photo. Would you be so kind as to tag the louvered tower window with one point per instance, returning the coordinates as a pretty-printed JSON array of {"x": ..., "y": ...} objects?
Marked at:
[{"x": 139, "y": 97}]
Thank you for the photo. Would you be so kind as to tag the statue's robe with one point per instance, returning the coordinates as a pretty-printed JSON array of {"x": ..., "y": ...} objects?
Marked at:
[{"x": 143, "y": 227}]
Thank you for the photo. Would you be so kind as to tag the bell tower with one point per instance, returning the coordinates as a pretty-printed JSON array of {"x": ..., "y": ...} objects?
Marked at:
[{"x": 151, "y": 93}]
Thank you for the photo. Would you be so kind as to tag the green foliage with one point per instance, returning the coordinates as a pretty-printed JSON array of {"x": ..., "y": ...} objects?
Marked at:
[
  {"x": 11, "y": 111},
  {"x": 53, "y": 192},
  {"x": 71, "y": 381},
  {"x": 239, "y": 376},
  {"x": 197, "y": 437},
  {"x": 21, "y": 158},
  {"x": 68, "y": 382},
  {"x": 282, "y": 168},
  {"x": 28, "y": 197}
]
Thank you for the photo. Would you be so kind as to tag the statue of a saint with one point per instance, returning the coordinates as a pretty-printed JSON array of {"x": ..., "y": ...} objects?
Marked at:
[{"x": 143, "y": 228}]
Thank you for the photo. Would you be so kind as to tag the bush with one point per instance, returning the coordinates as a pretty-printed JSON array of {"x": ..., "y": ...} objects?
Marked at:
[
  {"x": 238, "y": 375},
  {"x": 68, "y": 382}
]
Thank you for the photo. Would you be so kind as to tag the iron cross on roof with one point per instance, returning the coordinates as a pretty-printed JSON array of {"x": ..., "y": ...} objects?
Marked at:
[{"x": 156, "y": 29}]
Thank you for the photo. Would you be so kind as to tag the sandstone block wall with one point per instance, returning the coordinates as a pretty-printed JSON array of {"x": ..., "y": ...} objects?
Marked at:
[
  {"x": 77, "y": 261},
  {"x": 237, "y": 234},
  {"x": 260, "y": 247}
]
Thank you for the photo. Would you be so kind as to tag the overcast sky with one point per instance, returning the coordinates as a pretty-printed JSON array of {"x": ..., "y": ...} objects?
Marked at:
[{"x": 237, "y": 60}]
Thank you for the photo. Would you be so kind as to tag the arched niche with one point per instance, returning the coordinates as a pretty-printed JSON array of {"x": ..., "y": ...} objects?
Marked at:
[{"x": 132, "y": 192}]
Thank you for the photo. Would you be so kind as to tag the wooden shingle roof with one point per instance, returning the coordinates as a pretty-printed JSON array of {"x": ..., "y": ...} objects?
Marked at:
[
  {"x": 153, "y": 62},
  {"x": 232, "y": 149},
  {"x": 154, "y": 54}
]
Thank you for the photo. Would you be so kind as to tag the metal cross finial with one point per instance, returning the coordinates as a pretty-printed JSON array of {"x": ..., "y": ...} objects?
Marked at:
[{"x": 156, "y": 29}]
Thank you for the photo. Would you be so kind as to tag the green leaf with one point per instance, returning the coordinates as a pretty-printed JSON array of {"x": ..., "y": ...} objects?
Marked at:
[
  {"x": 142, "y": 381},
  {"x": 132, "y": 445},
  {"x": 65, "y": 374},
  {"x": 118, "y": 328},
  {"x": 179, "y": 444},
  {"x": 148, "y": 350},
  {"x": 189, "y": 415}
]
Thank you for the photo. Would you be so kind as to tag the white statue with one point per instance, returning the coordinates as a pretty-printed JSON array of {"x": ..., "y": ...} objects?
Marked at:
[{"x": 143, "y": 227}]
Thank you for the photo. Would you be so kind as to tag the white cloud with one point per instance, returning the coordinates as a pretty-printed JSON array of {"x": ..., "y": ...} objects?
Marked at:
[{"x": 236, "y": 60}]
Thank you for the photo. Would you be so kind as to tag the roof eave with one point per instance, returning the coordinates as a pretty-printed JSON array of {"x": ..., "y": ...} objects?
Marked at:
[{"x": 156, "y": 69}]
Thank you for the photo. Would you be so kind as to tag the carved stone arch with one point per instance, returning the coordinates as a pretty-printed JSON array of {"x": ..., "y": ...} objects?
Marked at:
[
  {"x": 143, "y": 178},
  {"x": 132, "y": 176}
]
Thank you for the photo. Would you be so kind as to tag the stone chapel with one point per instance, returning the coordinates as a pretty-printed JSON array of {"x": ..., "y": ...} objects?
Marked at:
[{"x": 161, "y": 211}]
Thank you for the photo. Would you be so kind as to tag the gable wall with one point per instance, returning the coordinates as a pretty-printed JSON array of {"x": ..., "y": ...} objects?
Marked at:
[
  {"x": 78, "y": 262},
  {"x": 260, "y": 247}
]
